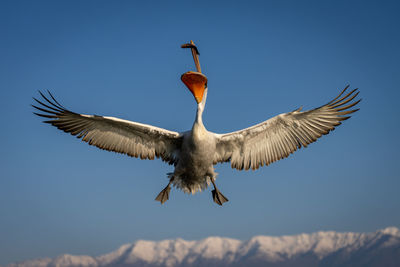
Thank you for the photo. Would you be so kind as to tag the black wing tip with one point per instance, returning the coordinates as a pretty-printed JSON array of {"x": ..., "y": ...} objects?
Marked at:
[
  {"x": 338, "y": 103},
  {"x": 42, "y": 115},
  {"x": 50, "y": 109},
  {"x": 55, "y": 105}
]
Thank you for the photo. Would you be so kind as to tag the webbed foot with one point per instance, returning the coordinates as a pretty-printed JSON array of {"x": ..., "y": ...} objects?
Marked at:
[
  {"x": 164, "y": 194},
  {"x": 218, "y": 197}
]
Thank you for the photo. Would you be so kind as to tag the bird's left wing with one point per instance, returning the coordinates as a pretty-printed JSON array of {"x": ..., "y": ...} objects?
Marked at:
[
  {"x": 113, "y": 134},
  {"x": 278, "y": 137}
]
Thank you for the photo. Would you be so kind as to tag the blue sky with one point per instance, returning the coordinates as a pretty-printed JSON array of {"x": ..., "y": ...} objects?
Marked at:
[{"x": 123, "y": 59}]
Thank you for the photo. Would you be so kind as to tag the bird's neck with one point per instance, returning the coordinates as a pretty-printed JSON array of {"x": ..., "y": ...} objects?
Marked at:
[{"x": 199, "y": 114}]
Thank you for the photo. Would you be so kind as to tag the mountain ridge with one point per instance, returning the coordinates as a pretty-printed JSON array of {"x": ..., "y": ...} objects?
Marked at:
[{"x": 324, "y": 248}]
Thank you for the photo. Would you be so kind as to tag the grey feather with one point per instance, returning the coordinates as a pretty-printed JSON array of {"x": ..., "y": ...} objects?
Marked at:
[
  {"x": 280, "y": 136},
  {"x": 113, "y": 134},
  {"x": 194, "y": 152}
]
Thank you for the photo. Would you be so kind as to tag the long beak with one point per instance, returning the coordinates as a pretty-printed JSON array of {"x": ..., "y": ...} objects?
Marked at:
[
  {"x": 196, "y": 82},
  {"x": 195, "y": 54}
]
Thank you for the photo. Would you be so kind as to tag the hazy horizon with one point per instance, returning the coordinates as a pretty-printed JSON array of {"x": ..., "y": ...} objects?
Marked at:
[{"x": 379, "y": 248}]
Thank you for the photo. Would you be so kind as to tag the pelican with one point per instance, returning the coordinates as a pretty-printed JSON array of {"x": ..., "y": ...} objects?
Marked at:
[{"x": 195, "y": 152}]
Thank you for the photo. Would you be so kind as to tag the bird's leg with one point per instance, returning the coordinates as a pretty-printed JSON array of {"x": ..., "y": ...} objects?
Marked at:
[
  {"x": 164, "y": 194},
  {"x": 218, "y": 197}
]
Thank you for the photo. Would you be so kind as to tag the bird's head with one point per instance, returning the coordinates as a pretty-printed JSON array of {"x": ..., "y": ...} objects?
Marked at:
[{"x": 196, "y": 82}]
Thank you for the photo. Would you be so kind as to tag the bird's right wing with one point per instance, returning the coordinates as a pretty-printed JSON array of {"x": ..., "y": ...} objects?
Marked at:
[
  {"x": 113, "y": 134},
  {"x": 278, "y": 137}
]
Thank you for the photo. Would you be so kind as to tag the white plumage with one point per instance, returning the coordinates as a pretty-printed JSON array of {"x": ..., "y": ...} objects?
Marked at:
[
  {"x": 280, "y": 136},
  {"x": 195, "y": 152}
]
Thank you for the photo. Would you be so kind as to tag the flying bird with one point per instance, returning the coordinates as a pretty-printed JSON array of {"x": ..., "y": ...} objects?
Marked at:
[{"x": 195, "y": 152}]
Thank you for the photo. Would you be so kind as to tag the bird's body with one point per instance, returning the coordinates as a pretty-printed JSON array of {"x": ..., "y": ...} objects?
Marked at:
[
  {"x": 195, "y": 168},
  {"x": 195, "y": 152}
]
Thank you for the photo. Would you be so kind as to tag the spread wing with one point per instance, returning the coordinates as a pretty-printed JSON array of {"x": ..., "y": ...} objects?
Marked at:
[
  {"x": 278, "y": 137},
  {"x": 113, "y": 134}
]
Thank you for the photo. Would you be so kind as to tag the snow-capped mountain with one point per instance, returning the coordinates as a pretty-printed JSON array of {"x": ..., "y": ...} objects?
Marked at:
[{"x": 381, "y": 248}]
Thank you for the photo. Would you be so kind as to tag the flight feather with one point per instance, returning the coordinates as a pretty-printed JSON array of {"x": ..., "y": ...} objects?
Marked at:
[
  {"x": 112, "y": 134},
  {"x": 278, "y": 137}
]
